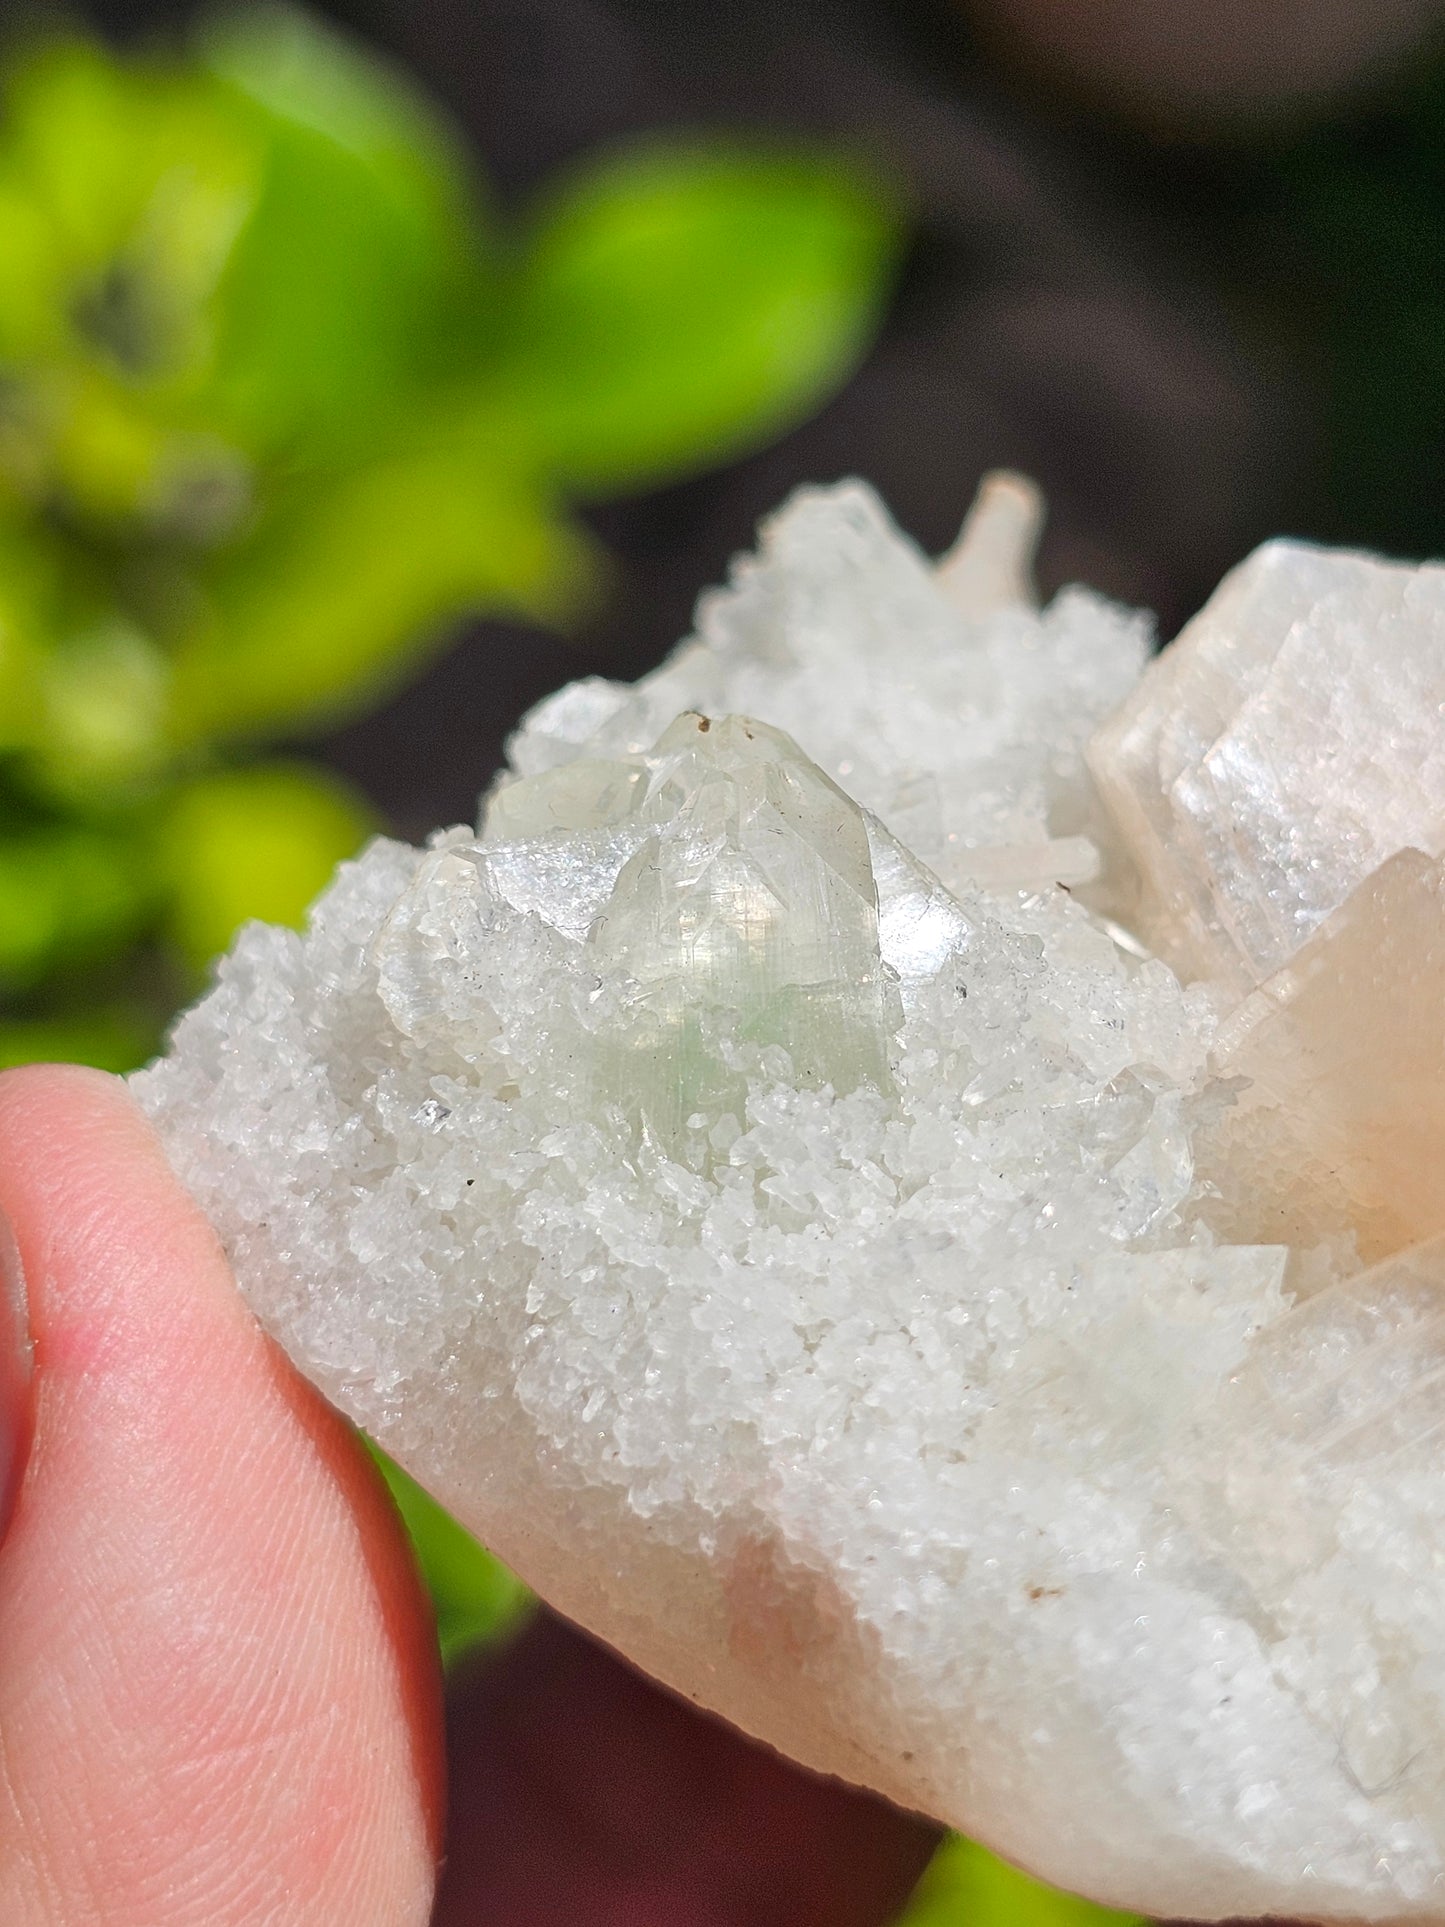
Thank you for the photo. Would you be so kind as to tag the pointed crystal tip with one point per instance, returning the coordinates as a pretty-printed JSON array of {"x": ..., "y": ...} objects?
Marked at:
[{"x": 747, "y": 917}]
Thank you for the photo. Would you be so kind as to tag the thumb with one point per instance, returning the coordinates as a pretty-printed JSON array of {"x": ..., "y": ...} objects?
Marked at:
[{"x": 218, "y": 1701}]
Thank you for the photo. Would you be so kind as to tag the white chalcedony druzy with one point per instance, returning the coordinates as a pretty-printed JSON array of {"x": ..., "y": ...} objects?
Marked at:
[{"x": 899, "y": 1180}]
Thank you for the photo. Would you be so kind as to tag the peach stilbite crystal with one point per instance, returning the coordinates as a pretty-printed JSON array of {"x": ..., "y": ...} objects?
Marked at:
[
  {"x": 1340, "y": 1125},
  {"x": 930, "y": 1244},
  {"x": 1286, "y": 744}
]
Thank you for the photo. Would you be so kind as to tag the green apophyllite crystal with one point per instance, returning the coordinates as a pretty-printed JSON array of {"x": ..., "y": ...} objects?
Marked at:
[{"x": 747, "y": 917}]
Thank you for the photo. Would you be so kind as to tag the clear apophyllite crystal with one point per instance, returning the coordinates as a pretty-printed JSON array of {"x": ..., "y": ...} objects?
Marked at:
[
  {"x": 764, "y": 1183},
  {"x": 747, "y": 915}
]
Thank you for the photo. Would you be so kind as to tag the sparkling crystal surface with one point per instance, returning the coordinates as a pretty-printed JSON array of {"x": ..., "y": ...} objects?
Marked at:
[
  {"x": 1317, "y": 1474},
  {"x": 930, "y": 1244},
  {"x": 748, "y": 915},
  {"x": 1289, "y": 743}
]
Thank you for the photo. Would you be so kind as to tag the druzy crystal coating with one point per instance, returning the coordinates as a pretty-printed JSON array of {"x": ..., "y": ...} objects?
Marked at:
[{"x": 898, "y": 1179}]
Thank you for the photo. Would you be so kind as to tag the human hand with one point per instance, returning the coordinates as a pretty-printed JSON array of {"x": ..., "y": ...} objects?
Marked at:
[{"x": 219, "y": 1700}]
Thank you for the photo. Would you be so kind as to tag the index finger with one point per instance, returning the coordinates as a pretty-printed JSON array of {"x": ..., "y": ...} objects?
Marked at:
[{"x": 218, "y": 1697}]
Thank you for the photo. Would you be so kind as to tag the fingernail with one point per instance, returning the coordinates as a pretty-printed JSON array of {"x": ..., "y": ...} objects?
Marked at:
[{"x": 16, "y": 1373}]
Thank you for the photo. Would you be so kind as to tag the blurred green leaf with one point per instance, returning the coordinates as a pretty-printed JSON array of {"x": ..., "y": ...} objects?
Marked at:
[
  {"x": 31, "y": 273},
  {"x": 966, "y": 1886},
  {"x": 113, "y": 1038},
  {"x": 678, "y": 303},
  {"x": 102, "y": 728},
  {"x": 364, "y": 264},
  {"x": 257, "y": 842},
  {"x": 68, "y": 896},
  {"x": 122, "y": 188},
  {"x": 331, "y": 607},
  {"x": 125, "y": 184},
  {"x": 477, "y": 1600},
  {"x": 305, "y": 72},
  {"x": 21, "y": 633}
]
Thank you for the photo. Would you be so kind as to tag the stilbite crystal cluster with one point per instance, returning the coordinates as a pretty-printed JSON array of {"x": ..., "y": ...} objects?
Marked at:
[{"x": 898, "y": 1179}]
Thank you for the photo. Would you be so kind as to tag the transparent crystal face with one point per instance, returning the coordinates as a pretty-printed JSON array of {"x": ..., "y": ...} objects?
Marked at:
[
  {"x": 745, "y": 918},
  {"x": 591, "y": 794}
]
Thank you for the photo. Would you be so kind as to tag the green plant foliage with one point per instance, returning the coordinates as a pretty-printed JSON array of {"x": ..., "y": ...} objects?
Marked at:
[
  {"x": 477, "y": 1600},
  {"x": 68, "y": 893},
  {"x": 966, "y": 1886},
  {"x": 281, "y": 398},
  {"x": 252, "y": 842},
  {"x": 676, "y": 302},
  {"x": 365, "y": 272},
  {"x": 337, "y": 600},
  {"x": 112, "y": 1037}
]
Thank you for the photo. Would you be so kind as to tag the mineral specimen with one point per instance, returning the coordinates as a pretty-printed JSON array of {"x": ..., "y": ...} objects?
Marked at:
[
  {"x": 923, "y": 1229},
  {"x": 1290, "y": 743}
]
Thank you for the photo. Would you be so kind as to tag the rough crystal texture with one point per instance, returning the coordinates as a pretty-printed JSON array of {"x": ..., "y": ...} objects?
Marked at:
[
  {"x": 1287, "y": 744},
  {"x": 957, "y": 719},
  {"x": 1339, "y": 1119},
  {"x": 765, "y": 1186},
  {"x": 1318, "y": 1478}
]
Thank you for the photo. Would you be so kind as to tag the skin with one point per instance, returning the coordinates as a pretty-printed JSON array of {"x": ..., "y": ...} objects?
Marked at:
[{"x": 219, "y": 1701}]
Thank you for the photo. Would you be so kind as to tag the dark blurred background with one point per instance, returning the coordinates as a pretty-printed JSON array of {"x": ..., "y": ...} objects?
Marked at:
[{"x": 1183, "y": 264}]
